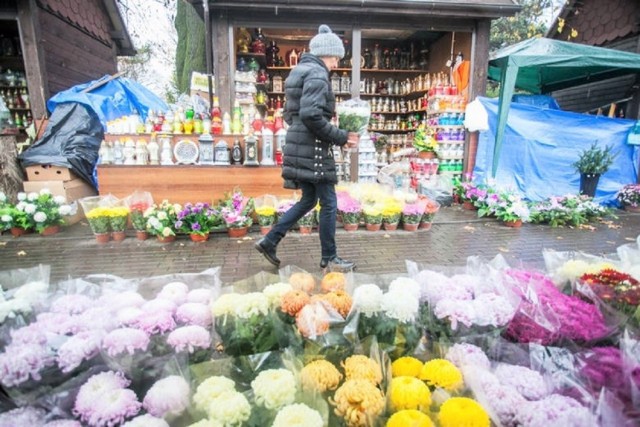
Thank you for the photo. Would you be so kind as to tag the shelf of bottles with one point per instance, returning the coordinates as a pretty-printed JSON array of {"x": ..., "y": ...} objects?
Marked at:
[
  {"x": 15, "y": 96},
  {"x": 445, "y": 118}
]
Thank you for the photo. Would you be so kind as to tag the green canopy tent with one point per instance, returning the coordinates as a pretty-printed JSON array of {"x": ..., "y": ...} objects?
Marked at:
[{"x": 542, "y": 65}]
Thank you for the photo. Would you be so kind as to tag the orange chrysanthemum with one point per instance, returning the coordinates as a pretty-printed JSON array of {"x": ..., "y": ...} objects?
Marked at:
[
  {"x": 293, "y": 301},
  {"x": 340, "y": 300},
  {"x": 320, "y": 375},
  {"x": 312, "y": 320},
  {"x": 334, "y": 281},
  {"x": 358, "y": 402},
  {"x": 302, "y": 281},
  {"x": 362, "y": 367}
]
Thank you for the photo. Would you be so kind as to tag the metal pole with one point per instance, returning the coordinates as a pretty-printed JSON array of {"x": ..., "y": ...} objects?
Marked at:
[{"x": 208, "y": 51}]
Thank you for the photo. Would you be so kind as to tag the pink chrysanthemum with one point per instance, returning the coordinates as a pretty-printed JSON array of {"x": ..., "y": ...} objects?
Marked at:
[
  {"x": 72, "y": 304},
  {"x": 174, "y": 291},
  {"x": 123, "y": 340},
  {"x": 95, "y": 387},
  {"x": 98, "y": 318},
  {"x": 128, "y": 316},
  {"x": 63, "y": 423},
  {"x": 467, "y": 354},
  {"x": 30, "y": 334},
  {"x": 189, "y": 338},
  {"x": 159, "y": 304},
  {"x": 201, "y": 295},
  {"x": 20, "y": 362},
  {"x": 157, "y": 322},
  {"x": 111, "y": 408},
  {"x": 83, "y": 346},
  {"x": 27, "y": 416},
  {"x": 56, "y": 323},
  {"x": 193, "y": 313},
  {"x": 167, "y": 397},
  {"x": 117, "y": 300}
]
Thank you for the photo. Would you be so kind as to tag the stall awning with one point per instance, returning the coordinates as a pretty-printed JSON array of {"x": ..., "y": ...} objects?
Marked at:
[{"x": 542, "y": 65}]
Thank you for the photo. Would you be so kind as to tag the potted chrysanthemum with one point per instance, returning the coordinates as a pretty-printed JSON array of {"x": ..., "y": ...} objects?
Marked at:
[
  {"x": 430, "y": 211},
  {"x": 46, "y": 211},
  {"x": 118, "y": 216},
  {"x": 305, "y": 224},
  {"x": 411, "y": 216},
  {"x": 98, "y": 218},
  {"x": 266, "y": 218},
  {"x": 372, "y": 218},
  {"x": 197, "y": 220},
  {"x": 629, "y": 197},
  {"x": 391, "y": 213},
  {"x": 236, "y": 211},
  {"x": 350, "y": 211},
  {"x": 161, "y": 221}
]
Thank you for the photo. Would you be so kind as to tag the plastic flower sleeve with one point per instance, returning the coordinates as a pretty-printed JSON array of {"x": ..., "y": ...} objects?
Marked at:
[
  {"x": 565, "y": 268},
  {"x": 630, "y": 348},
  {"x": 353, "y": 115},
  {"x": 629, "y": 255},
  {"x": 138, "y": 202}
]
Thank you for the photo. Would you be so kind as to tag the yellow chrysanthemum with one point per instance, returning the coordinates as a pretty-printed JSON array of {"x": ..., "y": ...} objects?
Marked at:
[
  {"x": 406, "y": 367},
  {"x": 97, "y": 213},
  {"x": 333, "y": 281},
  {"x": 362, "y": 367},
  {"x": 266, "y": 211},
  {"x": 409, "y": 393},
  {"x": 409, "y": 418},
  {"x": 320, "y": 375},
  {"x": 441, "y": 373},
  {"x": 118, "y": 211},
  {"x": 462, "y": 411},
  {"x": 358, "y": 402}
]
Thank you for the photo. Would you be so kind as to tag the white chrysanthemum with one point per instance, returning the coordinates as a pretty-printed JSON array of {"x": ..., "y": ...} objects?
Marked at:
[
  {"x": 367, "y": 299},
  {"x": 252, "y": 304},
  {"x": 32, "y": 196},
  {"x": 40, "y": 217},
  {"x": 44, "y": 191},
  {"x": 206, "y": 423},
  {"x": 162, "y": 215},
  {"x": 60, "y": 200},
  {"x": 64, "y": 210},
  {"x": 154, "y": 223},
  {"x": 570, "y": 270},
  {"x": 274, "y": 388},
  {"x": 22, "y": 196},
  {"x": 6, "y": 218},
  {"x": 33, "y": 292},
  {"x": 298, "y": 415},
  {"x": 400, "y": 306},
  {"x": 174, "y": 291},
  {"x": 29, "y": 208},
  {"x": 167, "y": 397},
  {"x": 225, "y": 304},
  {"x": 275, "y": 292},
  {"x": 230, "y": 408},
  {"x": 21, "y": 205},
  {"x": 9, "y": 309},
  {"x": 210, "y": 389},
  {"x": 166, "y": 232},
  {"x": 405, "y": 285},
  {"x": 200, "y": 295},
  {"x": 146, "y": 420}
]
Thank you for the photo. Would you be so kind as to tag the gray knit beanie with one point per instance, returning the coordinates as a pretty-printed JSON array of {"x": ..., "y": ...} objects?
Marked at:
[{"x": 326, "y": 43}]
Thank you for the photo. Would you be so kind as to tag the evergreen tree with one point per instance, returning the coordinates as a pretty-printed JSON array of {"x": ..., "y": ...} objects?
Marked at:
[
  {"x": 190, "y": 51},
  {"x": 528, "y": 23}
]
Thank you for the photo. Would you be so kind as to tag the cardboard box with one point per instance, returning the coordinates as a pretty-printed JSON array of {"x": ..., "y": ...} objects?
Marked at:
[
  {"x": 49, "y": 173},
  {"x": 71, "y": 190}
]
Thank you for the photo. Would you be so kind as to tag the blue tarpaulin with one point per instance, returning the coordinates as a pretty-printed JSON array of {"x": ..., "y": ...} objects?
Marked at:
[
  {"x": 116, "y": 98},
  {"x": 541, "y": 145}
]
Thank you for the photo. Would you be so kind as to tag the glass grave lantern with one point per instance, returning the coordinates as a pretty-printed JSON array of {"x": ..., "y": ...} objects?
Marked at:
[
  {"x": 251, "y": 151},
  {"x": 221, "y": 153},
  {"x": 267, "y": 147},
  {"x": 206, "y": 149}
]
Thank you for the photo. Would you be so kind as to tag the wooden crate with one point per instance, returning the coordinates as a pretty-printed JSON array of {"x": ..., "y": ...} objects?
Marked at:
[{"x": 49, "y": 173}]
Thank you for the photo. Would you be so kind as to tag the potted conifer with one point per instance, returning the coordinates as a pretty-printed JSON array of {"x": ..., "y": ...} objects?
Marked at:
[{"x": 593, "y": 162}]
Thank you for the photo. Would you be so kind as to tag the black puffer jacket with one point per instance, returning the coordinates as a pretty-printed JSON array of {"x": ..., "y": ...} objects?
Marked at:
[{"x": 308, "y": 154}]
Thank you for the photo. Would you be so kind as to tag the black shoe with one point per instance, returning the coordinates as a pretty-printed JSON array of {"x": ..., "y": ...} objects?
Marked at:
[
  {"x": 337, "y": 262},
  {"x": 268, "y": 251}
]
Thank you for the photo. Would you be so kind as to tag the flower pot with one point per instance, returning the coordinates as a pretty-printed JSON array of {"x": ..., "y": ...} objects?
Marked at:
[
  {"x": 142, "y": 235},
  {"x": 373, "y": 227},
  {"x": 17, "y": 231},
  {"x": 426, "y": 154},
  {"x": 305, "y": 229},
  {"x": 410, "y": 227},
  {"x": 235, "y": 233},
  {"x": 52, "y": 229},
  {"x": 456, "y": 199},
  {"x": 118, "y": 236},
  {"x": 167, "y": 239},
  {"x": 265, "y": 229},
  {"x": 350, "y": 227},
  {"x": 588, "y": 184},
  {"x": 513, "y": 224},
  {"x": 102, "y": 237},
  {"x": 468, "y": 206},
  {"x": 390, "y": 226},
  {"x": 425, "y": 225},
  {"x": 198, "y": 238}
]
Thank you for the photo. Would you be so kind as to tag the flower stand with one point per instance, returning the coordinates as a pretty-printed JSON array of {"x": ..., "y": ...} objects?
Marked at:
[
  {"x": 51, "y": 230},
  {"x": 235, "y": 233},
  {"x": 118, "y": 236},
  {"x": 305, "y": 229},
  {"x": 166, "y": 239},
  {"x": 373, "y": 227},
  {"x": 390, "y": 226},
  {"x": 513, "y": 224},
  {"x": 142, "y": 235},
  {"x": 410, "y": 227},
  {"x": 102, "y": 237},
  {"x": 199, "y": 238},
  {"x": 350, "y": 227}
]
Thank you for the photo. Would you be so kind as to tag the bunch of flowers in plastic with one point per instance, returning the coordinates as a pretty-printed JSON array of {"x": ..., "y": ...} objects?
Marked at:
[
  {"x": 459, "y": 411},
  {"x": 99, "y": 220},
  {"x": 391, "y": 210},
  {"x": 136, "y": 213},
  {"x": 197, "y": 218},
  {"x": 105, "y": 400},
  {"x": 349, "y": 208},
  {"x": 236, "y": 210},
  {"x": 629, "y": 195},
  {"x": 407, "y": 392},
  {"x": 274, "y": 388},
  {"x": 167, "y": 397},
  {"x": 412, "y": 213},
  {"x": 554, "y": 409},
  {"x": 372, "y": 215},
  {"x": 604, "y": 367},
  {"x": 308, "y": 219},
  {"x": 409, "y": 417},
  {"x": 118, "y": 216},
  {"x": 266, "y": 215},
  {"x": 161, "y": 219},
  {"x": 359, "y": 402},
  {"x": 613, "y": 287},
  {"x": 297, "y": 414},
  {"x": 320, "y": 376},
  {"x": 217, "y": 397}
]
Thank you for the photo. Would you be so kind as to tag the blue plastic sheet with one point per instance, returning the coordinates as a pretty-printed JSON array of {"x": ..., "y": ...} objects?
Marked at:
[
  {"x": 542, "y": 101},
  {"x": 541, "y": 145},
  {"x": 114, "y": 99}
]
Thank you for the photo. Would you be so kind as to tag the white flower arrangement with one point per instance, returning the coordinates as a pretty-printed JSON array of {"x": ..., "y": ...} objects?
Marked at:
[
  {"x": 298, "y": 415},
  {"x": 367, "y": 299},
  {"x": 400, "y": 306},
  {"x": 274, "y": 388},
  {"x": 211, "y": 388},
  {"x": 225, "y": 304},
  {"x": 252, "y": 304},
  {"x": 407, "y": 285},
  {"x": 230, "y": 408},
  {"x": 275, "y": 292}
]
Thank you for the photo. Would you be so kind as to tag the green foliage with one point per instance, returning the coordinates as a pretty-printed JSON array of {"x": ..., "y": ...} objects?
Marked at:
[
  {"x": 524, "y": 25},
  {"x": 595, "y": 160},
  {"x": 133, "y": 67},
  {"x": 190, "y": 51}
]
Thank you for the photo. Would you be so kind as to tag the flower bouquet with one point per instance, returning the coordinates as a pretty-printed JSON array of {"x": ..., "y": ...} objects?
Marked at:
[
  {"x": 161, "y": 219},
  {"x": 353, "y": 115},
  {"x": 629, "y": 196},
  {"x": 618, "y": 289},
  {"x": 198, "y": 219}
]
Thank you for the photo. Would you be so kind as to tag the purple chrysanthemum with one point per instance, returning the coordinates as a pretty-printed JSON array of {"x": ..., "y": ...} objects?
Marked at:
[
  {"x": 123, "y": 340},
  {"x": 27, "y": 416},
  {"x": 529, "y": 383},
  {"x": 72, "y": 304},
  {"x": 83, "y": 346},
  {"x": 193, "y": 313},
  {"x": 174, "y": 291},
  {"x": 467, "y": 354},
  {"x": 128, "y": 316},
  {"x": 111, "y": 408},
  {"x": 189, "y": 338},
  {"x": 160, "y": 304},
  {"x": 63, "y": 423},
  {"x": 19, "y": 362},
  {"x": 201, "y": 295},
  {"x": 117, "y": 300},
  {"x": 554, "y": 410},
  {"x": 30, "y": 334},
  {"x": 167, "y": 397},
  {"x": 156, "y": 322}
]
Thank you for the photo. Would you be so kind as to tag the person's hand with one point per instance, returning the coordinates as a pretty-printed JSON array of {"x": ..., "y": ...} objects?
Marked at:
[{"x": 352, "y": 139}]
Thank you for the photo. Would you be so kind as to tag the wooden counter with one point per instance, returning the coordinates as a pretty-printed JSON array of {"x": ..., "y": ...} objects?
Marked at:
[{"x": 190, "y": 183}]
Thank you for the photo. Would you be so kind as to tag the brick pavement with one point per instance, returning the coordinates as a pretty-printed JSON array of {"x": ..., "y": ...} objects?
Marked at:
[{"x": 455, "y": 235}]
